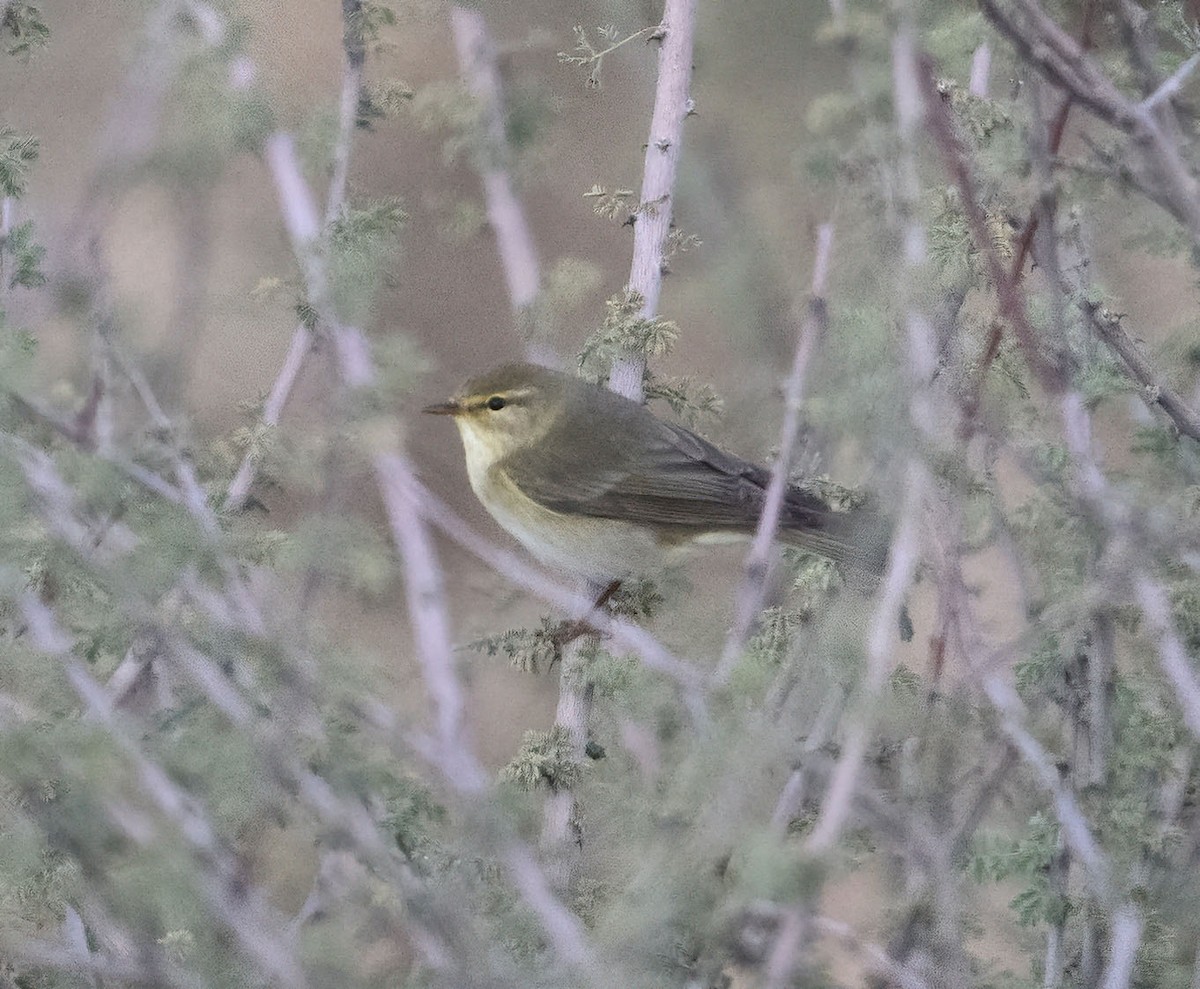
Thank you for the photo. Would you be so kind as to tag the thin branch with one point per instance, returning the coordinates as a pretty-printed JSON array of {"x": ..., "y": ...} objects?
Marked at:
[
  {"x": 752, "y": 590},
  {"x": 1123, "y": 948},
  {"x": 1108, "y": 328},
  {"x": 1043, "y": 43},
  {"x": 245, "y": 913},
  {"x": 515, "y": 568},
  {"x": 1173, "y": 656},
  {"x": 876, "y": 957},
  {"x": 426, "y": 600},
  {"x": 303, "y": 339},
  {"x": 506, "y": 214},
  {"x": 1172, "y": 85},
  {"x": 672, "y": 105},
  {"x": 903, "y": 556}
]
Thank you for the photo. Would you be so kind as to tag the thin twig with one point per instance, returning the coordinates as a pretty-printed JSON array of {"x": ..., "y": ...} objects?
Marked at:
[
  {"x": 254, "y": 926},
  {"x": 426, "y": 600},
  {"x": 652, "y": 653},
  {"x": 752, "y": 590},
  {"x": 506, "y": 214},
  {"x": 1172, "y": 85},
  {"x": 876, "y": 957},
  {"x": 1044, "y": 44},
  {"x": 303, "y": 339},
  {"x": 1107, "y": 326},
  {"x": 903, "y": 556}
]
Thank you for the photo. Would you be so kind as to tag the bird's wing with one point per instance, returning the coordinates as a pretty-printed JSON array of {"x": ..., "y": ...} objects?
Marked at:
[{"x": 655, "y": 473}]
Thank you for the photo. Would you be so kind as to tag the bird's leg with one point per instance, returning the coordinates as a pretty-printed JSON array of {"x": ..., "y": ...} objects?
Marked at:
[{"x": 569, "y": 631}]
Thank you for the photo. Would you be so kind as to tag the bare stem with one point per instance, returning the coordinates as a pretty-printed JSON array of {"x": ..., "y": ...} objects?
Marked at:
[
  {"x": 506, "y": 214},
  {"x": 753, "y": 588},
  {"x": 303, "y": 339},
  {"x": 656, "y": 208}
]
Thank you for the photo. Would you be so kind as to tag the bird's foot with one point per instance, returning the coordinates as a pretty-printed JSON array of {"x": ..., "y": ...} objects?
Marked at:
[{"x": 568, "y": 631}]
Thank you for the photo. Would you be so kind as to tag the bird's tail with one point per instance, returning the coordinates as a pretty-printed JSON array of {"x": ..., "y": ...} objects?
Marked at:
[{"x": 857, "y": 540}]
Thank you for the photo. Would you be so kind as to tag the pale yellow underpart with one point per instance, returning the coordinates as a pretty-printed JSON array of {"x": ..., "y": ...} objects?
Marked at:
[{"x": 599, "y": 549}]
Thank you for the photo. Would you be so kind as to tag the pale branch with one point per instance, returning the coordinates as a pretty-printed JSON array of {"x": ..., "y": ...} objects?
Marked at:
[
  {"x": 903, "y": 556},
  {"x": 876, "y": 957},
  {"x": 281, "y": 388},
  {"x": 75, "y": 936},
  {"x": 752, "y": 590},
  {"x": 424, "y": 591},
  {"x": 505, "y": 212},
  {"x": 354, "y": 49},
  {"x": 245, "y": 913},
  {"x": 1171, "y": 85},
  {"x": 303, "y": 339},
  {"x": 784, "y": 957},
  {"x": 430, "y": 619},
  {"x": 1058, "y": 875},
  {"x": 649, "y": 650},
  {"x": 1127, "y": 926},
  {"x": 792, "y": 796},
  {"x": 962, "y": 624},
  {"x": 981, "y": 67},
  {"x": 1173, "y": 657},
  {"x": 8, "y": 209},
  {"x": 656, "y": 207}
]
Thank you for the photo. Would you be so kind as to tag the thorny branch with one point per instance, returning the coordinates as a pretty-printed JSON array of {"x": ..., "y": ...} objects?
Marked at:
[
  {"x": 1063, "y": 61},
  {"x": 672, "y": 105}
]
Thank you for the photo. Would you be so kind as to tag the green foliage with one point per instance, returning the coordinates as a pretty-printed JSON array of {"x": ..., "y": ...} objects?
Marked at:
[
  {"x": 695, "y": 402},
  {"x": 23, "y": 29},
  {"x": 566, "y": 294},
  {"x": 383, "y": 101},
  {"x": 27, "y": 256},
  {"x": 368, "y": 22},
  {"x": 363, "y": 243},
  {"x": 625, "y": 331},
  {"x": 546, "y": 758},
  {"x": 611, "y": 204},
  {"x": 1026, "y": 858},
  {"x": 343, "y": 550},
  {"x": 441, "y": 106},
  {"x": 414, "y": 817},
  {"x": 528, "y": 650},
  {"x": 17, "y": 153},
  {"x": 590, "y": 55}
]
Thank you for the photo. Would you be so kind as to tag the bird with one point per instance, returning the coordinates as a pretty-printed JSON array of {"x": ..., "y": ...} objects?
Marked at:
[{"x": 596, "y": 486}]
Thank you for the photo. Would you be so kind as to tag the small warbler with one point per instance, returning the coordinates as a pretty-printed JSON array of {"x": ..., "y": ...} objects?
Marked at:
[{"x": 595, "y": 485}]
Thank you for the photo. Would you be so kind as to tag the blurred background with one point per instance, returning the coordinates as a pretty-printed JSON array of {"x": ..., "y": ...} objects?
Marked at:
[
  {"x": 200, "y": 271},
  {"x": 742, "y": 193}
]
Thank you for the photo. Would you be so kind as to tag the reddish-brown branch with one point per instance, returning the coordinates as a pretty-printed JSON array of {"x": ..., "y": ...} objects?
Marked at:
[
  {"x": 956, "y": 161},
  {"x": 1024, "y": 241}
]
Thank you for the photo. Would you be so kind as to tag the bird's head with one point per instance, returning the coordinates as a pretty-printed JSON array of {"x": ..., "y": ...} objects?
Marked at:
[{"x": 506, "y": 409}]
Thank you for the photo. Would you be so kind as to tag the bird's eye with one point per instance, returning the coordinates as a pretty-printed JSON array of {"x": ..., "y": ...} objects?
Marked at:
[{"x": 496, "y": 403}]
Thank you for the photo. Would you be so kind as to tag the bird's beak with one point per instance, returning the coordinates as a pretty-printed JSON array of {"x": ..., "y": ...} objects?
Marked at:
[{"x": 443, "y": 409}]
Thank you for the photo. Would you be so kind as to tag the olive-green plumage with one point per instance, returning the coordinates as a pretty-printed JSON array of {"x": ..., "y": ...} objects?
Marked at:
[{"x": 593, "y": 483}]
